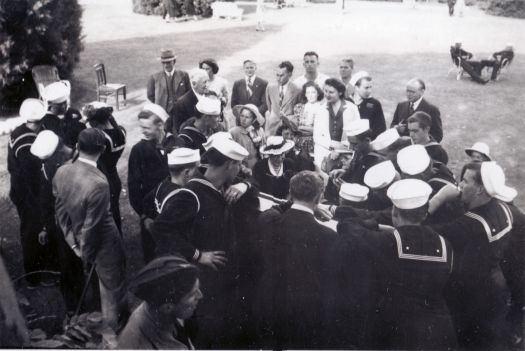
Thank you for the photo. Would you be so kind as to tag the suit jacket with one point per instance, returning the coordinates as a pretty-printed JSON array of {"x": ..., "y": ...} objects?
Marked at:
[
  {"x": 183, "y": 110},
  {"x": 274, "y": 113},
  {"x": 401, "y": 115},
  {"x": 258, "y": 98},
  {"x": 82, "y": 212},
  {"x": 157, "y": 89}
]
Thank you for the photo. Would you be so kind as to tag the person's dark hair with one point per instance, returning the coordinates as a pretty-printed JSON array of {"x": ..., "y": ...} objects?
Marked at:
[
  {"x": 214, "y": 158},
  {"x": 364, "y": 79},
  {"x": 176, "y": 170},
  {"x": 288, "y": 65},
  {"x": 148, "y": 114},
  {"x": 365, "y": 135},
  {"x": 399, "y": 144},
  {"x": 422, "y": 118},
  {"x": 320, "y": 94},
  {"x": 349, "y": 61},
  {"x": 311, "y": 53},
  {"x": 212, "y": 63},
  {"x": 476, "y": 168},
  {"x": 248, "y": 61},
  {"x": 306, "y": 186},
  {"x": 281, "y": 129},
  {"x": 415, "y": 215},
  {"x": 91, "y": 141},
  {"x": 337, "y": 85},
  {"x": 72, "y": 114}
]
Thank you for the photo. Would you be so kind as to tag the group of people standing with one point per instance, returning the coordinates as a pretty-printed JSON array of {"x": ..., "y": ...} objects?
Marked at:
[{"x": 307, "y": 224}]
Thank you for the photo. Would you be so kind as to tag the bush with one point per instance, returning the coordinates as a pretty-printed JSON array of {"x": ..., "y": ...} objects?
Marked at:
[
  {"x": 507, "y": 8},
  {"x": 34, "y": 32},
  {"x": 156, "y": 7}
]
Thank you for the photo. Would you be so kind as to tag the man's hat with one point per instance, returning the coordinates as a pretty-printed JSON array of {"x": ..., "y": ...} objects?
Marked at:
[
  {"x": 357, "y": 126},
  {"x": 167, "y": 55},
  {"x": 258, "y": 116},
  {"x": 480, "y": 147},
  {"x": 183, "y": 156},
  {"x": 164, "y": 280},
  {"x": 158, "y": 110},
  {"x": 56, "y": 93},
  {"x": 276, "y": 145},
  {"x": 208, "y": 106},
  {"x": 357, "y": 77},
  {"x": 380, "y": 175},
  {"x": 493, "y": 179},
  {"x": 408, "y": 194},
  {"x": 353, "y": 192},
  {"x": 226, "y": 146},
  {"x": 32, "y": 110},
  {"x": 413, "y": 159},
  {"x": 45, "y": 144},
  {"x": 385, "y": 139}
]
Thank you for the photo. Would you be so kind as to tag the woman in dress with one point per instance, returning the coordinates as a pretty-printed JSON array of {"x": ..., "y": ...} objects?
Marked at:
[
  {"x": 305, "y": 114},
  {"x": 217, "y": 84},
  {"x": 274, "y": 173},
  {"x": 248, "y": 133},
  {"x": 332, "y": 120},
  {"x": 99, "y": 115}
]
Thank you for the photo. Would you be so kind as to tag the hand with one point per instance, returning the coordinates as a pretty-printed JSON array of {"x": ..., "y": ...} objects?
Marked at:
[
  {"x": 323, "y": 212},
  {"x": 336, "y": 173},
  {"x": 213, "y": 259},
  {"x": 148, "y": 223},
  {"x": 42, "y": 238},
  {"x": 235, "y": 192},
  {"x": 401, "y": 128},
  {"x": 334, "y": 155},
  {"x": 445, "y": 194}
]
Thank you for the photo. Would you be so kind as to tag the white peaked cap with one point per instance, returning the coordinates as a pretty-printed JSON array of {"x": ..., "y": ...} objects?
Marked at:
[
  {"x": 413, "y": 159},
  {"x": 158, "y": 110},
  {"x": 408, "y": 194},
  {"x": 493, "y": 179},
  {"x": 480, "y": 147},
  {"x": 380, "y": 175},
  {"x": 57, "y": 92},
  {"x": 357, "y": 126},
  {"x": 208, "y": 106},
  {"x": 45, "y": 144},
  {"x": 32, "y": 110},
  {"x": 357, "y": 76},
  {"x": 229, "y": 148},
  {"x": 182, "y": 156},
  {"x": 353, "y": 192},
  {"x": 385, "y": 139}
]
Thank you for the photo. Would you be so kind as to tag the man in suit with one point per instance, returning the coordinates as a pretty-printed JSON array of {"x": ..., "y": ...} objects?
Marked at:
[
  {"x": 185, "y": 107},
  {"x": 251, "y": 89},
  {"x": 296, "y": 303},
  {"x": 167, "y": 86},
  {"x": 415, "y": 91},
  {"x": 281, "y": 98},
  {"x": 82, "y": 212}
]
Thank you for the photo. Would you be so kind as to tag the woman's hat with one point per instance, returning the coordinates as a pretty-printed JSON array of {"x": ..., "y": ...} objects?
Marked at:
[
  {"x": 276, "y": 145},
  {"x": 480, "y": 147},
  {"x": 258, "y": 117}
]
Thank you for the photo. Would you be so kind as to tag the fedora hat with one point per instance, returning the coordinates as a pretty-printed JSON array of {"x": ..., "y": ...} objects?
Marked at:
[
  {"x": 167, "y": 55},
  {"x": 258, "y": 117}
]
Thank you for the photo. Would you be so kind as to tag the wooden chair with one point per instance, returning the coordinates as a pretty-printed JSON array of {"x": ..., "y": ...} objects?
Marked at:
[
  {"x": 43, "y": 75},
  {"x": 105, "y": 89}
]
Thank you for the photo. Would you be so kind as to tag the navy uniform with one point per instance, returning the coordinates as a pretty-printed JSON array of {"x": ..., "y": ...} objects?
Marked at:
[
  {"x": 107, "y": 163},
  {"x": 442, "y": 176},
  {"x": 192, "y": 138},
  {"x": 437, "y": 152},
  {"x": 477, "y": 292},
  {"x": 147, "y": 167},
  {"x": 372, "y": 110},
  {"x": 359, "y": 165}
]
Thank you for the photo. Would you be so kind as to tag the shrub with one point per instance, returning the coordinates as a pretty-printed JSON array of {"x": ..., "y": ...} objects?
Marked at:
[
  {"x": 156, "y": 7},
  {"x": 34, "y": 32},
  {"x": 507, "y": 8}
]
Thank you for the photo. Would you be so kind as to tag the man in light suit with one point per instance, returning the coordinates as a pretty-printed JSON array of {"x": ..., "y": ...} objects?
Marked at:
[
  {"x": 415, "y": 91},
  {"x": 83, "y": 214},
  {"x": 280, "y": 98},
  {"x": 251, "y": 89},
  {"x": 167, "y": 86}
]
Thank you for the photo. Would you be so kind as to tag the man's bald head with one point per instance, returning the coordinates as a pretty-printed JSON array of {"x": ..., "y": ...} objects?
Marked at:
[{"x": 415, "y": 89}]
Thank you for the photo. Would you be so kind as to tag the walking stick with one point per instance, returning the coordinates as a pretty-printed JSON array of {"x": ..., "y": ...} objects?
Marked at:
[{"x": 85, "y": 290}]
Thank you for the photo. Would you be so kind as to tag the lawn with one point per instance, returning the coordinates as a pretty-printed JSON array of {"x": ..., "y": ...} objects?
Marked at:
[{"x": 470, "y": 112}]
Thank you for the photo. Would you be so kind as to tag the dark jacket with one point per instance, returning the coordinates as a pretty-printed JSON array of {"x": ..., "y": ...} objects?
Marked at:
[
  {"x": 158, "y": 92},
  {"x": 401, "y": 115},
  {"x": 184, "y": 109},
  {"x": 257, "y": 98},
  {"x": 372, "y": 110}
]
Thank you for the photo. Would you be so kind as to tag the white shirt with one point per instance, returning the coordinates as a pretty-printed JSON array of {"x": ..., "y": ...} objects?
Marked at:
[
  {"x": 302, "y": 208},
  {"x": 89, "y": 162},
  {"x": 319, "y": 80},
  {"x": 169, "y": 74},
  {"x": 416, "y": 103},
  {"x": 246, "y": 78}
]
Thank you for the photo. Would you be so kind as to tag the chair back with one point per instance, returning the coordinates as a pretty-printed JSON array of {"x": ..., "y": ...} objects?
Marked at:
[
  {"x": 43, "y": 75},
  {"x": 101, "y": 74}
]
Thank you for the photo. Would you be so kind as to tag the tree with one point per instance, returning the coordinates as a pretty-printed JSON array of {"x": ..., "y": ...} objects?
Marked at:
[{"x": 35, "y": 32}]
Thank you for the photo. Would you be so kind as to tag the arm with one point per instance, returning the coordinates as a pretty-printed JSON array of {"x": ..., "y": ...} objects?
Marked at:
[
  {"x": 379, "y": 123},
  {"x": 135, "y": 176},
  {"x": 150, "y": 90},
  {"x": 437, "y": 128},
  {"x": 397, "y": 117},
  {"x": 263, "y": 104},
  {"x": 320, "y": 135},
  {"x": 97, "y": 206},
  {"x": 235, "y": 98}
]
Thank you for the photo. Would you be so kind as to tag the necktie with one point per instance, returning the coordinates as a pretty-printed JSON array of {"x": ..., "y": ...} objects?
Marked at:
[
  {"x": 281, "y": 95},
  {"x": 411, "y": 109},
  {"x": 249, "y": 87}
]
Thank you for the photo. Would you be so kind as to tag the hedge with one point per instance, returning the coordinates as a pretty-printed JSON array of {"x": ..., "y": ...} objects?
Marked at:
[
  {"x": 507, "y": 8},
  {"x": 34, "y": 32},
  {"x": 156, "y": 7}
]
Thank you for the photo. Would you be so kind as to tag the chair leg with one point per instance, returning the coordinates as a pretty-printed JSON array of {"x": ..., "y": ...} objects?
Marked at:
[
  {"x": 124, "y": 93},
  {"x": 116, "y": 98}
]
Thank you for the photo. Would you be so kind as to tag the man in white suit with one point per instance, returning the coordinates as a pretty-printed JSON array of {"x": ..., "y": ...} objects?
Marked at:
[{"x": 281, "y": 98}]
